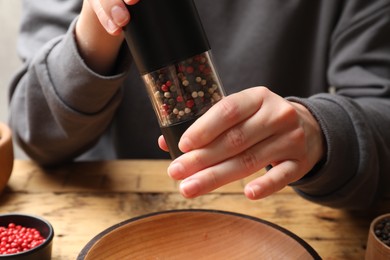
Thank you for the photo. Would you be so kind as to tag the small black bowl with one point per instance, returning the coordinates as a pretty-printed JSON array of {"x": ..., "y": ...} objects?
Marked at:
[{"x": 40, "y": 252}]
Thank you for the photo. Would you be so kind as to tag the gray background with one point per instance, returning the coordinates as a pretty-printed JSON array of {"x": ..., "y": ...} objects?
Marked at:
[{"x": 10, "y": 11}]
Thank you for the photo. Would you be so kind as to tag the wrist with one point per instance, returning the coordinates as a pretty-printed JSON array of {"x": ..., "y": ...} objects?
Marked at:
[{"x": 316, "y": 138}]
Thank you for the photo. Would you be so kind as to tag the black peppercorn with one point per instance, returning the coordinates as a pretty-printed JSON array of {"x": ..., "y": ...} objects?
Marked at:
[{"x": 382, "y": 230}]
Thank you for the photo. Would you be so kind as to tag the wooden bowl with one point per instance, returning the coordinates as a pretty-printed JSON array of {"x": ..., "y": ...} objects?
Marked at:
[
  {"x": 6, "y": 155},
  {"x": 377, "y": 249},
  {"x": 196, "y": 234}
]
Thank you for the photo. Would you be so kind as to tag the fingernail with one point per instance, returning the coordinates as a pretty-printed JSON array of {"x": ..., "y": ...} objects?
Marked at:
[
  {"x": 111, "y": 26},
  {"x": 190, "y": 188},
  {"x": 131, "y": 2},
  {"x": 119, "y": 15},
  {"x": 176, "y": 170},
  {"x": 253, "y": 190}
]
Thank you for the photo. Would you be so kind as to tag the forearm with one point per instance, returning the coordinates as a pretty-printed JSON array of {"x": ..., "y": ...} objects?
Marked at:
[
  {"x": 356, "y": 168},
  {"x": 356, "y": 118},
  {"x": 55, "y": 118}
]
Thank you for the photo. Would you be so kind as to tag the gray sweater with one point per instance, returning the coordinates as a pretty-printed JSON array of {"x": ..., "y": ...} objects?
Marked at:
[{"x": 333, "y": 56}]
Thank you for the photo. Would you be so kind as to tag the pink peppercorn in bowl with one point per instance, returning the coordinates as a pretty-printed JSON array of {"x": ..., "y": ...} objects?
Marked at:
[{"x": 25, "y": 237}]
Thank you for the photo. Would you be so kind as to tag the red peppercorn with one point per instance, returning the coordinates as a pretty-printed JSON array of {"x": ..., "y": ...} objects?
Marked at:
[
  {"x": 190, "y": 69},
  {"x": 206, "y": 71},
  {"x": 179, "y": 99},
  {"x": 190, "y": 103},
  {"x": 180, "y": 68},
  {"x": 15, "y": 239}
]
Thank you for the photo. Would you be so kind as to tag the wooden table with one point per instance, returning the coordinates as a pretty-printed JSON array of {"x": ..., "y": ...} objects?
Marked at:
[{"x": 82, "y": 199}]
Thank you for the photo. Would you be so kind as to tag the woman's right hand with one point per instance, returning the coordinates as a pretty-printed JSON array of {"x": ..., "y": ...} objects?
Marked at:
[
  {"x": 243, "y": 133},
  {"x": 98, "y": 32}
]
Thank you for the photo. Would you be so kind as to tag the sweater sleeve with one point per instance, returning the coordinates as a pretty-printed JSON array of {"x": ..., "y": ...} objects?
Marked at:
[
  {"x": 58, "y": 106},
  {"x": 355, "y": 117}
]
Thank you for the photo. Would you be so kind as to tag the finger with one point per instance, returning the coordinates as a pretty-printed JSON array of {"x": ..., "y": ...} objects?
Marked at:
[
  {"x": 229, "y": 144},
  {"x": 238, "y": 167},
  {"x": 229, "y": 112},
  {"x": 113, "y": 15},
  {"x": 272, "y": 150},
  {"x": 268, "y": 121},
  {"x": 208, "y": 180},
  {"x": 116, "y": 10},
  {"x": 162, "y": 144},
  {"x": 274, "y": 180}
]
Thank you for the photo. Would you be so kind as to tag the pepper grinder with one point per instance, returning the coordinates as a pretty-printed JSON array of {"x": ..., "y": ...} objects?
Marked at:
[{"x": 171, "y": 51}]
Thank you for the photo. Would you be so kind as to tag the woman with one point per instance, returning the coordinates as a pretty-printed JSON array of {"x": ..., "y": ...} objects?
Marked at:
[{"x": 322, "y": 122}]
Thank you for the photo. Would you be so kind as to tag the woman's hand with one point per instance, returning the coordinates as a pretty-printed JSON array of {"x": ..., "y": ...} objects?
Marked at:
[
  {"x": 98, "y": 32},
  {"x": 242, "y": 134}
]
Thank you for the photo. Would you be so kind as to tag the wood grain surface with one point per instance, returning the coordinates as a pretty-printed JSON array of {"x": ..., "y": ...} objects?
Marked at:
[{"x": 82, "y": 199}]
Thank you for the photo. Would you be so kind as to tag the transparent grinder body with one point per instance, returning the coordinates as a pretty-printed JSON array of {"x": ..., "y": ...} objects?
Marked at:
[
  {"x": 175, "y": 62},
  {"x": 182, "y": 92}
]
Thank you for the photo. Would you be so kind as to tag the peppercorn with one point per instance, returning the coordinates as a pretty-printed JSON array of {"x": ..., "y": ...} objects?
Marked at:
[
  {"x": 16, "y": 238},
  {"x": 382, "y": 230},
  {"x": 185, "y": 90}
]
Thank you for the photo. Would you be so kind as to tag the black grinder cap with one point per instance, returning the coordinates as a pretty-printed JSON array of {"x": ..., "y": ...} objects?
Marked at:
[{"x": 164, "y": 32}]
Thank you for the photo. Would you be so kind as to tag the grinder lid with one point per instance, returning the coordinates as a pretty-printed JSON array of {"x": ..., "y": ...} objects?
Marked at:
[{"x": 163, "y": 32}]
